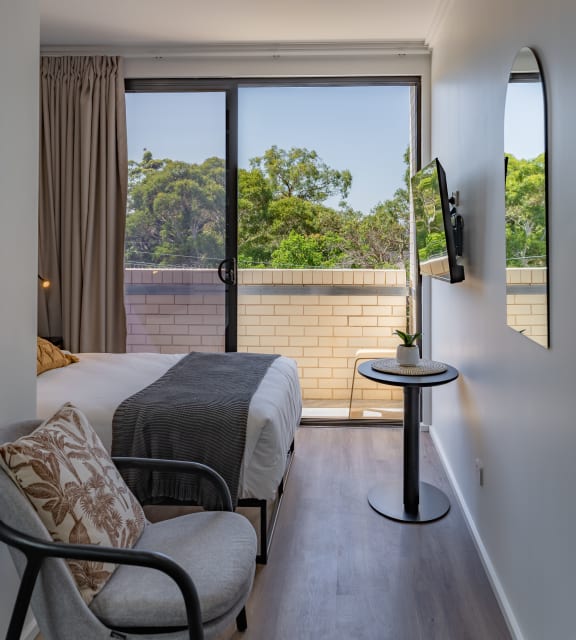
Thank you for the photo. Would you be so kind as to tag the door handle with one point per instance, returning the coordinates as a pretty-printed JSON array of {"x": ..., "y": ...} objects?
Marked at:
[{"x": 227, "y": 271}]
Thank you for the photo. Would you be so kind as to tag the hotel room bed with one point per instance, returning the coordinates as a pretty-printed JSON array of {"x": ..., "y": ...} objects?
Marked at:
[{"x": 99, "y": 382}]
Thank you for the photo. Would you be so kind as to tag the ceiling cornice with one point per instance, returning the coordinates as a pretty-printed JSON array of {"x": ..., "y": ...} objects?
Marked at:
[
  {"x": 438, "y": 18},
  {"x": 369, "y": 49}
]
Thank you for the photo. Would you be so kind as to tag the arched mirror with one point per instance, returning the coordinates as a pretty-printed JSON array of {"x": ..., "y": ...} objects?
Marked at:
[{"x": 526, "y": 177}]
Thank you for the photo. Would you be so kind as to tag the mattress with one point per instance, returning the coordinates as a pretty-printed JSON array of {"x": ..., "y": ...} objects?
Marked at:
[{"x": 99, "y": 382}]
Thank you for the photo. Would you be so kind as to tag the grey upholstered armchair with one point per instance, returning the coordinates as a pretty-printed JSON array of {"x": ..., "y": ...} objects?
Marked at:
[{"x": 187, "y": 578}]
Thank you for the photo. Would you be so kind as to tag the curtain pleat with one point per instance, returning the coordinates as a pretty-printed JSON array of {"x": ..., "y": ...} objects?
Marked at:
[{"x": 82, "y": 210}]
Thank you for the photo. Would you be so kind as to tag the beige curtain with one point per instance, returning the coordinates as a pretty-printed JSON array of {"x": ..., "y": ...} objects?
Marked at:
[{"x": 82, "y": 210}]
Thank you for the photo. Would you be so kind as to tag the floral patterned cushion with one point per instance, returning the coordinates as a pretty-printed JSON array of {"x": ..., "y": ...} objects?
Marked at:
[{"x": 68, "y": 476}]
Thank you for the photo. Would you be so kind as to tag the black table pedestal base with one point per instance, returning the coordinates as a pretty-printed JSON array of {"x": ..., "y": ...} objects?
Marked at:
[{"x": 387, "y": 500}]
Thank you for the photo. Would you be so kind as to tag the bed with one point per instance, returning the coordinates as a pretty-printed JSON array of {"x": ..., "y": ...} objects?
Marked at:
[{"x": 99, "y": 382}]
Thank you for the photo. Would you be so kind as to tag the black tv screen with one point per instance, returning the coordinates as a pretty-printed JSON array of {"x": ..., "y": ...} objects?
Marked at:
[{"x": 438, "y": 226}]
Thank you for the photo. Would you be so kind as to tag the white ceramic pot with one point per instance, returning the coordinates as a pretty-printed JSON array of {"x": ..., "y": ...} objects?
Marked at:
[{"x": 407, "y": 356}]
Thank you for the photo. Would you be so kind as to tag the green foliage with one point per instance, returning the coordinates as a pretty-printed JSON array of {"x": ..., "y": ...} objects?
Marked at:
[
  {"x": 315, "y": 250},
  {"x": 525, "y": 212},
  {"x": 408, "y": 339},
  {"x": 175, "y": 212},
  {"x": 428, "y": 215},
  {"x": 281, "y": 193},
  {"x": 176, "y": 215},
  {"x": 300, "y": 173},
  {"x": 380, "y": 239},
  {"x": 435, "y": 245}
]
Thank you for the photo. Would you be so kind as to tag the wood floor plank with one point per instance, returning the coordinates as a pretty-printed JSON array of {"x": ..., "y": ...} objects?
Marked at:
[
  {"x": 340, "y": 571},
  {"x": 337, "y": 569}
]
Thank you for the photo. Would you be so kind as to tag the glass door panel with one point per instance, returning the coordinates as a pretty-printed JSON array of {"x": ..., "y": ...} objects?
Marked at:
[
  {"x": 323, "y": 236},
  {"x": 176, "y": 221}
]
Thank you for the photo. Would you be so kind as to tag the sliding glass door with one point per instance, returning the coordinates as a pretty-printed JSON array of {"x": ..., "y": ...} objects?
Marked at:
[
  {"x": 273, "y": 216},
  {"x": 323, "y": 242},
  {"x": 179, "y": 254}
]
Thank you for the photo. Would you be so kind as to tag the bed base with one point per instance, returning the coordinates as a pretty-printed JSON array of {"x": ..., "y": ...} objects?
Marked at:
[{"x": 267, "y": 528}]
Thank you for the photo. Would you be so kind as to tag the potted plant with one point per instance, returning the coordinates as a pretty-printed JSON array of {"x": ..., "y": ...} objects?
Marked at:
[{"x": 407, "y": 353}]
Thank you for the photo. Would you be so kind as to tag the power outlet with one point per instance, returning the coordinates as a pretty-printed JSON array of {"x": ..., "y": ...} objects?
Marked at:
[{"x": 480, "y": 469}]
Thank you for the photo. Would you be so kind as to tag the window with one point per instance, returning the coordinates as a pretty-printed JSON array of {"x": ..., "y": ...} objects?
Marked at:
[{"x": 301, "y": 188}]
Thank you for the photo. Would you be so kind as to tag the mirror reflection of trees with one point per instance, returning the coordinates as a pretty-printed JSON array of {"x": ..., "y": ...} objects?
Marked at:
[
  {"x": 526, "y": 199},
  {"x": 430, "y": 236},
  {"x": 175, "y": 215},
  {"x": 525, "y": 212}
]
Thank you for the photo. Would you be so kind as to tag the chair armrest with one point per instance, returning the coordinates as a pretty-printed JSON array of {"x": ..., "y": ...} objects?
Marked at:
[
  {"x": 181, "y": 466},
  {"x": 36, "y": 550}
]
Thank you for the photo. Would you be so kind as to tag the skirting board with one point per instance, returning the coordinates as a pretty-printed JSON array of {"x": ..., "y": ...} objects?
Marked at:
[{"x": 509, "y": 616}]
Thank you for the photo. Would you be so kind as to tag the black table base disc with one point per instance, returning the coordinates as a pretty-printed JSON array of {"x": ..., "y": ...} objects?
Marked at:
[{"x": 387, "y": 500}]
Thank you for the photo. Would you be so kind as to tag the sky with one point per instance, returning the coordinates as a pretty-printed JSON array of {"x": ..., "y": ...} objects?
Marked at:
[
  {"x": 362, "y": 129},
  {"x": 524, "y": 120}
]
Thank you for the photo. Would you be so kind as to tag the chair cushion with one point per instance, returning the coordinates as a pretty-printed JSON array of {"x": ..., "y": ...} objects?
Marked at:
[
  {"x": 70, "y": 480},
  {"x": 49, "y": 356},
  {"x": 217, "y": 549}
]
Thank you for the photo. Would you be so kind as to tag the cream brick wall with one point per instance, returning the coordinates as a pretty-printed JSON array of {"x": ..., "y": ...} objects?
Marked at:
[
  {"x": 528, "y": 312},
  {"x": 322, "y": 332}
]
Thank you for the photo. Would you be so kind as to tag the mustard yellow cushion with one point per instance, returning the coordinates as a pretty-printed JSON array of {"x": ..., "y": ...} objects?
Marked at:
[
  {"x": 78, "y": 493},
  {"x": 48, "y": 356}
]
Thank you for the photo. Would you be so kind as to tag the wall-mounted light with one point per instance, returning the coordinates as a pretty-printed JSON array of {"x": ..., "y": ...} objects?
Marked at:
[{"x": 44, "y": 283}]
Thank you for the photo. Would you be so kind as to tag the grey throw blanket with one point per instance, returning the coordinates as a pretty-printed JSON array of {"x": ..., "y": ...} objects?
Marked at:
[{"x": 198, "y": 410}]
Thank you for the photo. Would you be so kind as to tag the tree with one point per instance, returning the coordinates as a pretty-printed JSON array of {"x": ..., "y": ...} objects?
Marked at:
[
  {"x": 176, "y": 215},
  {"x": 175, "y": 212},
  {"x": 302, "y": 174},
  {"x": 380, "y": 239},
  {"x": 315, "y": 250},
  {"x": 283, "y": 192},
  {"x": 525, "y": 212},
  {"x": 429, "y": 218}
]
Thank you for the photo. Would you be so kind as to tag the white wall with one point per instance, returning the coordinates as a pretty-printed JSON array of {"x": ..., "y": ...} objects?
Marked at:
[
  {"x": 514, "y": 404},
  {"x": 19, "y": 45}
]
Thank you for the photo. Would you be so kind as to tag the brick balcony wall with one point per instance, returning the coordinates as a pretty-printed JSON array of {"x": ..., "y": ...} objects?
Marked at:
[
  {"x": 318, "y": 317},
  {"x": 526, "y": 302}
]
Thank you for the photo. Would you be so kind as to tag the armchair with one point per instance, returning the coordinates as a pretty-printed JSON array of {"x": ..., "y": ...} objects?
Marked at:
[{"x": 186, "y": 578}]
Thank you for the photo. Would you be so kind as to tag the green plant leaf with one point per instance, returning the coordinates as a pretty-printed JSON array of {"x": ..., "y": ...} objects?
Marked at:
[{"x": 408, "y": 339}]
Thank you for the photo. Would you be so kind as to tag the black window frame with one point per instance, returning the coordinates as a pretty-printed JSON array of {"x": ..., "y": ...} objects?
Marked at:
[{"x": 231, "y": 85}]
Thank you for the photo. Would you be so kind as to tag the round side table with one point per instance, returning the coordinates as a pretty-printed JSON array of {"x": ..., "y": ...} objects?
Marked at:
[{"x": 419, "y": 502}]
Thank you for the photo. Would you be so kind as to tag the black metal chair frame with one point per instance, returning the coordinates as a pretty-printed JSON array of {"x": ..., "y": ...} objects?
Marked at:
[{"x": 36, "y": 550}]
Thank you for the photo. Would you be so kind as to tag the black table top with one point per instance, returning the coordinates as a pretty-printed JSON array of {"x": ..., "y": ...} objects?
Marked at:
[{"x": 398, "y": 380}]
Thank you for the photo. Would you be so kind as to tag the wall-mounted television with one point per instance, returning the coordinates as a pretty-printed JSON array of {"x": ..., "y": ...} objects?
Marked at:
[{"x": 439, "y": 227}]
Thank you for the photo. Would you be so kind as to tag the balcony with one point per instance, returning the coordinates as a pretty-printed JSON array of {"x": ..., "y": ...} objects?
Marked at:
[{"x": 319, "y": 317}]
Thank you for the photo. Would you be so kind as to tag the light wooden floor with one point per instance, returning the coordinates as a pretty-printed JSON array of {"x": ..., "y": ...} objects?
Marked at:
[{"x": 338, "y": 570}]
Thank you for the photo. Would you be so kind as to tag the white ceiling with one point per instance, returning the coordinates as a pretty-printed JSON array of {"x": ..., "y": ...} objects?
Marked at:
[{"x": 181, "y": 23}]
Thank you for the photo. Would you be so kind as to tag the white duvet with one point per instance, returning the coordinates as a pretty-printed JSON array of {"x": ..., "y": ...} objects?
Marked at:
[{"x": 99, "y": 382}]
